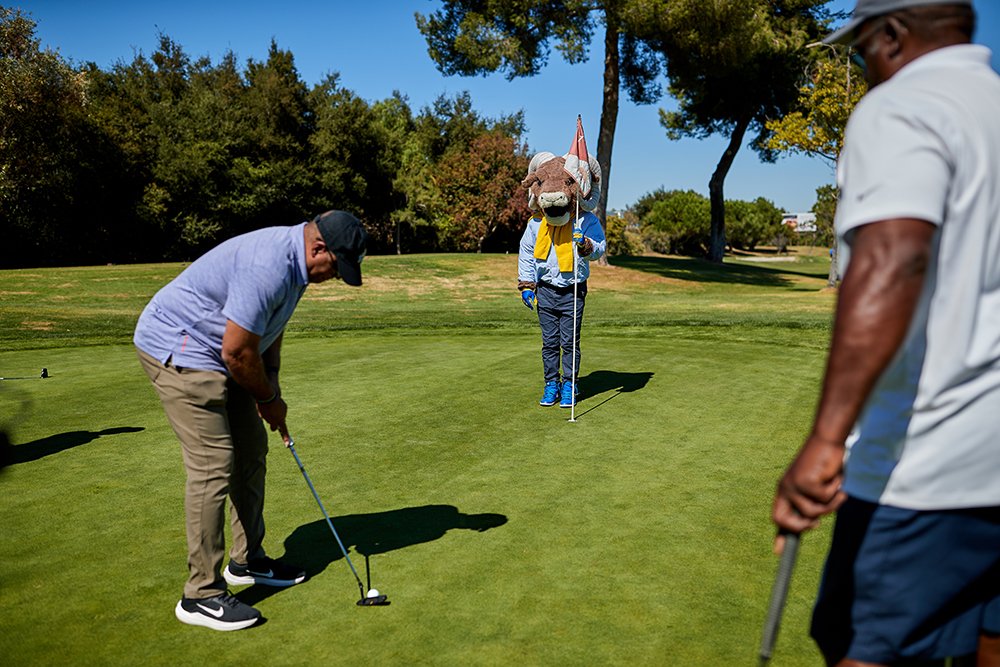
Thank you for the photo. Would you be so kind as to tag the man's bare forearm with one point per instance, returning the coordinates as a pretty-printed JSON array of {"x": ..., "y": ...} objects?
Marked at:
[
  {"x": 272, "y": 356},
  {"x": 877, "y": 301},
  {"x": 878, "y": 298},
  {"x": 242, "y": 358}
]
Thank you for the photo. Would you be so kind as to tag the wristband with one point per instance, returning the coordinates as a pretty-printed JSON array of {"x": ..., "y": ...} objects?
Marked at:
[{"x": 272, "y": 399}]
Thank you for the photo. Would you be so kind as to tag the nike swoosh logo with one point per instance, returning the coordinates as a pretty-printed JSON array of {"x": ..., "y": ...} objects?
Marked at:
[
  {"x": 214, "y": 612},
  {"x": 269, "y": 573},
  {"x": 861, "y": 196}
]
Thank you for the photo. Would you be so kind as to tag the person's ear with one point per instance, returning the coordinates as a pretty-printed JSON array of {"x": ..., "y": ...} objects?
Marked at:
[{"x": 895, "y": 32}]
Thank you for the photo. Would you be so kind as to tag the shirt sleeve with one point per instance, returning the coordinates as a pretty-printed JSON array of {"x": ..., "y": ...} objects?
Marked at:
[
  {"x": 252, "y": 298},
  {"x": 593, "y": 231},
  {"x": 895, "y": 164},
  {"x": 526, "y": 266}
]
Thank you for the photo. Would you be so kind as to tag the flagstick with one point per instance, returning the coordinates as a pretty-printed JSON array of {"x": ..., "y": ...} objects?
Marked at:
[
  {"x": 572, "y": 408},
  {"x": 579, "y": 150}
]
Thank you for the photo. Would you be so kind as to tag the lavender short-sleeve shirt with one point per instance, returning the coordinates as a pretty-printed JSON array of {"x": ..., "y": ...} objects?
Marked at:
[{"x": 255, "y": 280}]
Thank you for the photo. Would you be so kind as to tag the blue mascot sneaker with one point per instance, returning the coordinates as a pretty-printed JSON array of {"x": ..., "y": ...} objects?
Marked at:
[
  {"x": 569, "y": 393},
  {"x": 550, "y": 394}
]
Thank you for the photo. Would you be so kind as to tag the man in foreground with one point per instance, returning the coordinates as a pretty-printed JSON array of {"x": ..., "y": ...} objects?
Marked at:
[
  {"x": 913, "y": 572},
  {"x": 210, "y": 342}
]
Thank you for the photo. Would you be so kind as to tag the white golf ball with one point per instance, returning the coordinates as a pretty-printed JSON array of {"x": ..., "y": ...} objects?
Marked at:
[{"x": 373, "y": 593}]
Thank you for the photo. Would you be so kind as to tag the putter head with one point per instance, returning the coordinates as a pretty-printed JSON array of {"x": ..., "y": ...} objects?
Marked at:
[{"x": 377, "y": 601}]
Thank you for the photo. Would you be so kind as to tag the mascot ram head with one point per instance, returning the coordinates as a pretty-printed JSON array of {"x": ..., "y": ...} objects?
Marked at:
[{"x": 555, "y": 184}]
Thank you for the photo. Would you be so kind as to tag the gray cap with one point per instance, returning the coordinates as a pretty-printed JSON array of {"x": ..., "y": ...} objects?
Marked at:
[{"x": 866, "y": 9}]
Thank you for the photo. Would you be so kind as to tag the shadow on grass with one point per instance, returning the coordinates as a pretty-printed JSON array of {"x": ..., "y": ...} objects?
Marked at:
[
  {"x": 53, "y": 444},
  {"x": 702, "y": 271},
  {"x": 598, "y": 382},
  {"x": 6, "y": 450},
  {"x": 312, "y": 546}
]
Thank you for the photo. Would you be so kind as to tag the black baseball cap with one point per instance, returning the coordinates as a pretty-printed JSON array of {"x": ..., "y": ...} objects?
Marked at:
[{"x": 345, "y": 238}]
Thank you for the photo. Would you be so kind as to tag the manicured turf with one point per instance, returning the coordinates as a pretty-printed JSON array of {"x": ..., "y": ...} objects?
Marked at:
[{"x": 501, "y": 533}]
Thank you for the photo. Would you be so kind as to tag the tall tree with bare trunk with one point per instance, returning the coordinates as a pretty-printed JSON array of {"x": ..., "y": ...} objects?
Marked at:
[
  {"x": 479, "y": 37},
  {"x": 732, "y": 65}
]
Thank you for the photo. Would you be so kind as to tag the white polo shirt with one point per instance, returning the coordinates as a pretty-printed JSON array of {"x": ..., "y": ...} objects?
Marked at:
[{"x": 926, "y": 144}]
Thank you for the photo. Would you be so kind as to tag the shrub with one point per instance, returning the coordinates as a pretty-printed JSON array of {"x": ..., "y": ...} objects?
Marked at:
[
  {"x": 751, "y": 223},
  {"x": 679, "y": 221},
  {"x": 623, "y": 237}
]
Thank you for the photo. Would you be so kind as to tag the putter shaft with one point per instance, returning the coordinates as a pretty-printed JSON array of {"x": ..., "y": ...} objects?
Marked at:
[
  {"x": 343, "y": 550},
  {"x": 779, "y": 592}
]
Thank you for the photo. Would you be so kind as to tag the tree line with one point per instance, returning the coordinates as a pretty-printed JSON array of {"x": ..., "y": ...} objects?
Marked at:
[{"x": 164, "y": 156}]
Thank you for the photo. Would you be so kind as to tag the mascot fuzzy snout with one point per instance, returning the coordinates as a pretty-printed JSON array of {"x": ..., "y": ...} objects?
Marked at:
[{"x": 555, "y": 184}]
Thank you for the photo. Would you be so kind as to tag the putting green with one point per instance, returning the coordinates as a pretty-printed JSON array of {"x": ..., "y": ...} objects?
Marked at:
[{"x": 501, "y": 533}]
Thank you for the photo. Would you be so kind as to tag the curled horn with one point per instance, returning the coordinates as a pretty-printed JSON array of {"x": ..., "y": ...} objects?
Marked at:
[
  {"x": 536, "y": 161},
  {"x": 591, "y": 201}
]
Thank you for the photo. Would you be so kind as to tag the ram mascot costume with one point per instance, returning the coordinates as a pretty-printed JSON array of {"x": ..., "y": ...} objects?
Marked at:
[{"x": 559, "y": 241}]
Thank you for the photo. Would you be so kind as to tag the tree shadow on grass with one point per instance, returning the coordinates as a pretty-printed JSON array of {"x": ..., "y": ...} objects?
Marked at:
[
  {"x": 313, "y": 547},
  {"x": 53, "y": 444},
  {"x": 702, "y": 271},
  {"x": 599, "y": 382}
]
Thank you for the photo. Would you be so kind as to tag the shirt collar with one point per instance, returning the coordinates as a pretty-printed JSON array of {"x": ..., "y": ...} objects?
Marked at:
[
  {"x": 959, "y": 54},
  {"x": 299, "y": 252}
]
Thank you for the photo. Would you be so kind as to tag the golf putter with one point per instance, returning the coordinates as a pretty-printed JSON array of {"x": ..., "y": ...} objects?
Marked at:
[
  {"x": 778, "y": 594},
  {"x": 365, "y": 601}
]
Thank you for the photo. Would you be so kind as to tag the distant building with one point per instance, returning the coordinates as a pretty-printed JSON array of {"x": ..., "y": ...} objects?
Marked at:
[{"x": 802, "y": 223}]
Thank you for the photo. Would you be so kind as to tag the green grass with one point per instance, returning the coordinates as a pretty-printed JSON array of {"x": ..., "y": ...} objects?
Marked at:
[{"x": 502, "y": 533}]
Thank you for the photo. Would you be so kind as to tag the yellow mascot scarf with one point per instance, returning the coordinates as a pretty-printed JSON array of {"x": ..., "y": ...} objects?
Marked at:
[{"x": 562, "y": 236}]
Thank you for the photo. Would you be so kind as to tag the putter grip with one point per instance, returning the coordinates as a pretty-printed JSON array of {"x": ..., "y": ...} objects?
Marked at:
[{"x": 778, "y": 594}]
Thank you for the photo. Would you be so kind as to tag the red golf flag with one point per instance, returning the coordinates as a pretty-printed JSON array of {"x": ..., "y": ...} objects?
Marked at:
[
  {"x": 579, "y": 147},
  {"x": 578, "y": 160}
]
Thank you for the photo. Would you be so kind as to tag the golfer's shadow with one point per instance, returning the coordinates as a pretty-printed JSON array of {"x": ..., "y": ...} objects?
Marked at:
[
  {"x": 60, "y": 442},
  {"x": 312, "y": 546},
  {"x": 599, "y": 382}
]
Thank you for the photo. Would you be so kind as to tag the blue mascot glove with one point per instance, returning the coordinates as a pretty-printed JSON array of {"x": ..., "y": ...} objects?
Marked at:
[
  {"x": 584, "y": 245},
  {"x": 529, "y": 299}
]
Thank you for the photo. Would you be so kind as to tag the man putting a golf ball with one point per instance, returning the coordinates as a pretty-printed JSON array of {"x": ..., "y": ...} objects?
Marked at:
[{"x": 210, "y": 342}]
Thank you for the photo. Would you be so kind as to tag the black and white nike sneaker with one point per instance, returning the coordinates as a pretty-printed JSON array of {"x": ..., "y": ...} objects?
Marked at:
[
  {"x": 223, "y": 612},
  {"x": 266, "y": 571}
]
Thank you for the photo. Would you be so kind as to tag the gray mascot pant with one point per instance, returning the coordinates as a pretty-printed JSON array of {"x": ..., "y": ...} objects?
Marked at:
[{"x": 555, "y": 315}]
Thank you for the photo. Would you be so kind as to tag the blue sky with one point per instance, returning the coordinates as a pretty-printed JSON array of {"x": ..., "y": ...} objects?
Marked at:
[{"x": 376, "y": 48}]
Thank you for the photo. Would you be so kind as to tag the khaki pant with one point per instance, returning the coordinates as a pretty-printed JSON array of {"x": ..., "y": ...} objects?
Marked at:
[{"x": 224, "y": 446}]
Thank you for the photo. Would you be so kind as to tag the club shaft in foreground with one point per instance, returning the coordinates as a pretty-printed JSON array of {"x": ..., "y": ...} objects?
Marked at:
[{"x": 778, "y": 594}]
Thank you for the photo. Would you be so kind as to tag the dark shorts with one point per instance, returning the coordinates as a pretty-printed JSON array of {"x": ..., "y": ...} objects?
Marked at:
[{"x": 908, "y": 584}]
